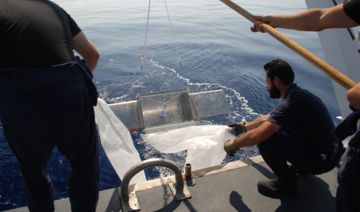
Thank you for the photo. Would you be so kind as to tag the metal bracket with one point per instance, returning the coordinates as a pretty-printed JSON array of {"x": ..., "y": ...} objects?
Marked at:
[
  {"x": 180, "y": 193},
  {"x": 131, "y": 204}
]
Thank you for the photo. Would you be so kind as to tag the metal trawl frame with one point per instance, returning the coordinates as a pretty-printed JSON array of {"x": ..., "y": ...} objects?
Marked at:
[
  {"x": 209, "y": 104},
  {"x": 177, "y": 103},
  {"x": 182, "y": 110}
]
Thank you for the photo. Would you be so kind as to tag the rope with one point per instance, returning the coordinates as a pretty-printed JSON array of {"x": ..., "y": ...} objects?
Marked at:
[
  {"x": 143, "y": 57},
  {"x": 179, "y": 60},
  {"x": 194, "y": 103},
  {"x": 147, "y": 26},
  {"x": 144, "y": 51}
]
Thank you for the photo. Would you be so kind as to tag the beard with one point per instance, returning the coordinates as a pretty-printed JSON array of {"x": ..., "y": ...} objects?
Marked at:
[{"x": 274, "y": 92}]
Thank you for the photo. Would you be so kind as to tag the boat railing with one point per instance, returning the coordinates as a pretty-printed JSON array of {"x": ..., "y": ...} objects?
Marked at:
[{"x": 130, "y": 201}]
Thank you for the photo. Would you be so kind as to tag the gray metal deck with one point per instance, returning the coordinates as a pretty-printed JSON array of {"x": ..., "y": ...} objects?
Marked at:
[{"x": 227, "y": 187}]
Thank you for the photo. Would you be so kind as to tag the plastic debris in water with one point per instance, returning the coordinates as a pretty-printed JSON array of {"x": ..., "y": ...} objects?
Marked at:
[{"x": 163, "y": 112}]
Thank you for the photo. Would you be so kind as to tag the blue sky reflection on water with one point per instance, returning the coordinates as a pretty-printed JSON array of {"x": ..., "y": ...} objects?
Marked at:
[{"x": 217, "y": 50}]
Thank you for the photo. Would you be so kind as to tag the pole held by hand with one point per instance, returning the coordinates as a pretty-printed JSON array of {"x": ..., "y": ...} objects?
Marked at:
[{"x": 317, "y": 62}]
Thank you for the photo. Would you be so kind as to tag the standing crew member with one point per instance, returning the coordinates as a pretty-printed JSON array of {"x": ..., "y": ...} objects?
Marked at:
[
  {"x": 288, "y": 135},
  {"x": 47, "y": 98},
  {"x": 341, "y": 16}
]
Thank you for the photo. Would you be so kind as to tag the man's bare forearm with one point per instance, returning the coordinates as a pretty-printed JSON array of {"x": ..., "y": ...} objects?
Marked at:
[
  {"x": 86, "y": 49},
  {"x": 256, "y": 123},
  {"x": 309, "y": 20},
  {"x": 304, "y": 21},
  {"x": 258, "y": 135}
]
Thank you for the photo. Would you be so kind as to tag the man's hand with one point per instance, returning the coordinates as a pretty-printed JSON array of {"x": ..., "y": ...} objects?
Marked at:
[
  {"x": 239, "y": 127},
  {"x": 268, "y": 19},
  {"x": 353, "y": 96},
  {"x": 230, "y": 148}
]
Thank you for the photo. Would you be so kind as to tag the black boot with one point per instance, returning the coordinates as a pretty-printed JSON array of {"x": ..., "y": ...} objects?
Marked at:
[{"x": 277, "y": 186}]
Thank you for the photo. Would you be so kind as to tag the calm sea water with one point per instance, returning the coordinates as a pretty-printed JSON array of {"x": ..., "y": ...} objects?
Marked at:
[{"x": 217, "y": 50}]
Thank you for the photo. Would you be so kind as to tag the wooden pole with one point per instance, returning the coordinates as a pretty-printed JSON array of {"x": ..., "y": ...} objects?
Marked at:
[{"x": 317, "y": 62}]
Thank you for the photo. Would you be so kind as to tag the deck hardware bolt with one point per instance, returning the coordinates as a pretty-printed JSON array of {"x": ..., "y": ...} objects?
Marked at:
[{"x": 188, "y": 170}]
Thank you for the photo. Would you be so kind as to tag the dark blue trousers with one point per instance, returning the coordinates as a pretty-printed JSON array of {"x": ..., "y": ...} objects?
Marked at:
[
  {"x": 57, "y": 113},
  {"x": 348, "y": 192},
  {"x": 281, "y": 148},
  {"x": 61, "y": 116}
]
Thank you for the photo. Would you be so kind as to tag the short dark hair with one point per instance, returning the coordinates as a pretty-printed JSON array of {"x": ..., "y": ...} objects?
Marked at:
[{"x": 281, "y": 69}]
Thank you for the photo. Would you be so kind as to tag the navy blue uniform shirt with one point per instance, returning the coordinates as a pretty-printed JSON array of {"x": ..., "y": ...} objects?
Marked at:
[
  {"x": 304, "y": 116},
  {"x": 352, "y": 9},
  {"x": 35, "y": 34}
]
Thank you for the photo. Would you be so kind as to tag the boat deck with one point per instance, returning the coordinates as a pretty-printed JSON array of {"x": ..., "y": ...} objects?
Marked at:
[{"x": 227, "y": 187}]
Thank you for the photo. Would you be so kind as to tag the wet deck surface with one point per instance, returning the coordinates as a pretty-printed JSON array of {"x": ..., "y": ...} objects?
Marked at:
[{"x": 230, "y": 187}]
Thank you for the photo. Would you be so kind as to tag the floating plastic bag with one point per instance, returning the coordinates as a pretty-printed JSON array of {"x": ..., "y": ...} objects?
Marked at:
[
  {"x": 117, "y": 142},
  {"x": 204, "y": 143}
]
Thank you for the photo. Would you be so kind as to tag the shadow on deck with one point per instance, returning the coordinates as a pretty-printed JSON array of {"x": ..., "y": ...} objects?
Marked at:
[{"x": 227, "y": 187}]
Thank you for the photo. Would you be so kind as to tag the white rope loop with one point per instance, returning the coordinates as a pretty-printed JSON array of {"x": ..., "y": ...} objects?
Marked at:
[
  {"x": 143, "y": 57},
  {"x": 179, "y": 60}
]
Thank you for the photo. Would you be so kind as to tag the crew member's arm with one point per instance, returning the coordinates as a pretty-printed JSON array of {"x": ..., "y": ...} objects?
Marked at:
[
  {"x": 258, "y": 135},
  {"x": 309, "y": 20},
  {"x": 86, "y": 49},
  {"x": 353, "y": 96},
  {"x": 256, "y": 123},
  {"x": 242, "y": 127}
]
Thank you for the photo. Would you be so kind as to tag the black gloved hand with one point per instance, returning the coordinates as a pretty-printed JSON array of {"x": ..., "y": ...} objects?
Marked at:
[
  {"x": 230, "y": 147},
  {"x": 239, "y": 127}
]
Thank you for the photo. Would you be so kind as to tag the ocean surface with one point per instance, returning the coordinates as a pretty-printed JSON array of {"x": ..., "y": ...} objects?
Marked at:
[{"x": 217, "y": 50}]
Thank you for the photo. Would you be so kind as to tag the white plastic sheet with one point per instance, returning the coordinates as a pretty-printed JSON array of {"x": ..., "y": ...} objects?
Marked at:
[
  {"x": 117, "y": 142},
  {"x": 204, "y": 143}
]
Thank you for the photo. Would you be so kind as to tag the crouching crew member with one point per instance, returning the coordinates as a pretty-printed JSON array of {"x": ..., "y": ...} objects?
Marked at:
[
  {"x": 340, "y": 16},
  {"x": 299, "y": 131}
]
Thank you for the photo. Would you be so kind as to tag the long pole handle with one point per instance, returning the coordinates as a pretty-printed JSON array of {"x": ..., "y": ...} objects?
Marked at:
[{"x": 317, "y": 62}]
